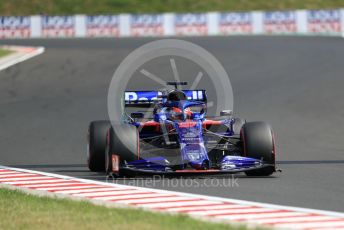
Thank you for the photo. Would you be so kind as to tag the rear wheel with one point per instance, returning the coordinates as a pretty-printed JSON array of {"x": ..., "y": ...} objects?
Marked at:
[
  {"x": 122, "y": 142},
  {"x": 258, "y": 142},
  {"x": 96, "y": 145}
]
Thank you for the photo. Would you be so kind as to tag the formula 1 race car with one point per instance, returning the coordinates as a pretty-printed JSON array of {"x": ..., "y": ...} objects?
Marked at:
[{"x": 179, "y": 139}]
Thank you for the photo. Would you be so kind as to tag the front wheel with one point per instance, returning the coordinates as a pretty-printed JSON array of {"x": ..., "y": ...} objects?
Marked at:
[
  {"x": 96, "y": 145},
  {"x": 258, "y": 142},
  {"x": 123, "y": 146}
]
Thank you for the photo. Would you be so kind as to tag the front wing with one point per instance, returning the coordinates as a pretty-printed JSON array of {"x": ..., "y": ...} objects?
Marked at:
[{"x": 187, "y": 172}]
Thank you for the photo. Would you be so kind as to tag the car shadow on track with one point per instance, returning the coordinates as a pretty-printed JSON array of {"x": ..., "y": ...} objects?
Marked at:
[
  {"x": 310, "y": 162},
  {"x": 81, "y": 170}
]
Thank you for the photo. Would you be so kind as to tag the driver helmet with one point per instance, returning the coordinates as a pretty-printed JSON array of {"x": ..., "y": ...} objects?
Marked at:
[{"x": 176, "y": 95}]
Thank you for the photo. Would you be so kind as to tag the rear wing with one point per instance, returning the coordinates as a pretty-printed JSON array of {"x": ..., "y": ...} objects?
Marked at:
[{"x": 148, "y": 98}]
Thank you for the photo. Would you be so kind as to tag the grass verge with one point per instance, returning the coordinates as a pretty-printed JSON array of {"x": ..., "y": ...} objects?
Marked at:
[
  {"x": 63, "y": 7},
  {"x": 4, "y": 52},
  {"x": 19, "y": 210}
]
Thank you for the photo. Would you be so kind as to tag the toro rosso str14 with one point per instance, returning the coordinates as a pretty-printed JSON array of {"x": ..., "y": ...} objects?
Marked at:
[{"x": 179, "y": 138}]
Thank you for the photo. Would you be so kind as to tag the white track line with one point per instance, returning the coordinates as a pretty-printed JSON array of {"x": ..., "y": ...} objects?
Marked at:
[{"x": 25, "y": 56}]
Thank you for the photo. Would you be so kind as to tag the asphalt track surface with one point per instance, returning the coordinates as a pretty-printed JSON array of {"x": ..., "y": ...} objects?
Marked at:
[{"x": 294, "y": 83}]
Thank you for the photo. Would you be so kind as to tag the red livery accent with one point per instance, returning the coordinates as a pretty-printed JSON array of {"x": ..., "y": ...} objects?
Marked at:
[
  {"x": 187, "y": 124},
  {"x": 150, "y": 123}
]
